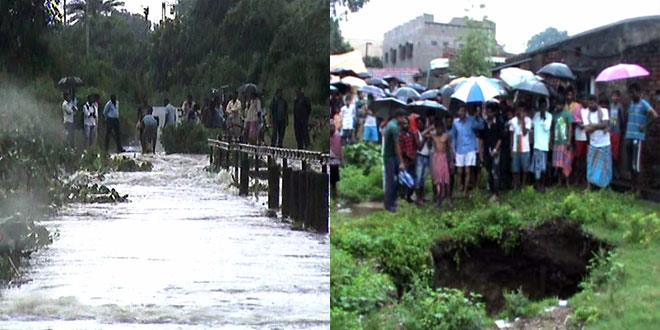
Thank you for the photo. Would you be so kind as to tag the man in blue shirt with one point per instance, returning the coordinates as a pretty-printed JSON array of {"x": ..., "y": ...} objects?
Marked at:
[
  {"x": 465, "y": 145},
  {"x": 638, "y": 114},
  {"x": 111, "y": 114}
]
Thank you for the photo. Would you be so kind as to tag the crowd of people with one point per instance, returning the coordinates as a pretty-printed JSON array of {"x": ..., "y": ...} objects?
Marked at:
[
  {"x": 562, "y": 140},
  {"x": 248, "y": 118}
]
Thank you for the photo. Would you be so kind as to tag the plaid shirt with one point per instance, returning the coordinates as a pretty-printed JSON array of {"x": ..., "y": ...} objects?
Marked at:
[{"x": 408, "y": 144}]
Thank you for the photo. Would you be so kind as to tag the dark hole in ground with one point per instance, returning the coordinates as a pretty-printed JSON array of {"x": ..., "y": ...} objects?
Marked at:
[{"x": 549, "y": 261}]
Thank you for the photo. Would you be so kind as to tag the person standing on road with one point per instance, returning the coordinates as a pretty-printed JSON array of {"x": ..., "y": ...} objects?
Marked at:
[
  {"x": 91, "y": 113},
  {"x": 302, "y": 108},
  {"x": 111, "y": 114},
  {"x": 279, "y": 114},
  {"x": 170, "y": 113},
  {"x": 68, "y": 112}
]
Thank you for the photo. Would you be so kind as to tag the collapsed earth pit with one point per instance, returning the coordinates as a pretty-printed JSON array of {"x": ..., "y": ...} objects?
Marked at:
[{"x": 549, "y": 261}]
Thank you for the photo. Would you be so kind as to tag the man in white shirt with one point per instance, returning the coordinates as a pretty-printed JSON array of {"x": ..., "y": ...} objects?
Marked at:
[
  {"x": 519, "y": 126},
  {"x": 347, "y": 119},
  {"x": 599, "y": 157},
  {"x": 90, "y": 113},
  {"x": 541, "y": 123},
  {"x": 68, "y": 113}
]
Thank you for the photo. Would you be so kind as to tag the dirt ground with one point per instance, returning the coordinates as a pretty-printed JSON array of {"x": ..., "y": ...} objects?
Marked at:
[{"x": 555, "y": 320}]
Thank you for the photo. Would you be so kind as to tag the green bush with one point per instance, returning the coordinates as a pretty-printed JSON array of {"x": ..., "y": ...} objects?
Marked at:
[
  {"x": 443, "y": 309},
  {"x": 358, "y": 187},
  {"x": 642, "y": 229},
  {"x": 356, "y": 287},
  {"x": 341, "y": 319},
  {"x": 363, "y": 155},
  {"x": 518, "y": 305},
  {"x": 188, "y": 138}
]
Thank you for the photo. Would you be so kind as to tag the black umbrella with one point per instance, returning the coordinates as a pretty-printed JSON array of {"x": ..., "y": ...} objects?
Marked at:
[
  {"x": 419, "y": 88},
  {"x": 431, "y": 94},
  {"x": 557, "y": 70},
  {"x": 385, "y": 107},
  {"x": 533, "y": 86},
  {"x": 393, "y": 78},
  {"x": 333, "y": 89},
  {"x": 364, "y": 75},
  {"x": 248, "y": 88},
  {"x": 454, "y": 104},
  {"x": 341, "y": 87},
  {"x": 377, "y": 82},
  {"x": 68, "y": 82},
  {"x": 424, "y": 106},
  {"x": 406, "y": 93},
  {"x": 343, "y": 73}
]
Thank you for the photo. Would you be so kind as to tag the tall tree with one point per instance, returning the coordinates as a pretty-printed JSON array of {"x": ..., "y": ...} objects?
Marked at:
[
  {"x": 474, "y": 58},
  {"x": 548, "y": 36},
  {"x": 88, "y": 10},
  {"x": 337, "y": 43}
]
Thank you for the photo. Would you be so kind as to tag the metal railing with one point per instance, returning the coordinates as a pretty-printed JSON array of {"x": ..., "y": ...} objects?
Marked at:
[{"x": 312, "y": 157}]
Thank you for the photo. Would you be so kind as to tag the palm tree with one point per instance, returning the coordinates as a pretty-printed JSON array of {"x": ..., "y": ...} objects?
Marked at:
[{"x": 79, "y": 10}]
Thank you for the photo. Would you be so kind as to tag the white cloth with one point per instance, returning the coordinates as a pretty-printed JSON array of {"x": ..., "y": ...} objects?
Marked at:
[
  {"x": 89, "y": 110},
  {"x": 600, "y": 137},
  {"x": 518, "y": 138},
  {"x": 370, "y": 121},
  {"x": 542, "y": 131},
  {"x": 425, "y": 151},
  {"x": 347, "y": 116},
  {"x": 464, "y": 160},
  {"x": 67, "y": 112}
]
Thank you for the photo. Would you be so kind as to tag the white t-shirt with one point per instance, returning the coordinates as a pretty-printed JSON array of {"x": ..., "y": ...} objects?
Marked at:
[
  {"x": 370, "y": 121},
  {"x": 425, "y": 151},
  {"x": 599, "y": 137},
  {"x": 518, "y": 138},
  {"x": 347, "y": 115},
  {"x": 67, "y": 112},
  {"x": 88, "y": 110}
]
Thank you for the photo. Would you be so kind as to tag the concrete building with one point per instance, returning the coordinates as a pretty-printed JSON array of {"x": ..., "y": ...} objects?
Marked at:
[{"x": 415, "y": 43}]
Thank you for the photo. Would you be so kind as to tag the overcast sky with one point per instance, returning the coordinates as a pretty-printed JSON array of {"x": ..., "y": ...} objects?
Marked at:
[{"x": 517, "y": 20}]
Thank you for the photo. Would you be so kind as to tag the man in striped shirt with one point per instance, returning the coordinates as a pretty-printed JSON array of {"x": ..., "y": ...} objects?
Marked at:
[{"x": 638, "y": 119}]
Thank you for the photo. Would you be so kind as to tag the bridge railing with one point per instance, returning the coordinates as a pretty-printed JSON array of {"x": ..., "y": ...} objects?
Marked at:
[{"x": 304, "y": 191}]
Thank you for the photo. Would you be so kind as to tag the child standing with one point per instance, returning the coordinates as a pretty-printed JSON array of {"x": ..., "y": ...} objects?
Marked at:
[{"x": 441, "y": 164}]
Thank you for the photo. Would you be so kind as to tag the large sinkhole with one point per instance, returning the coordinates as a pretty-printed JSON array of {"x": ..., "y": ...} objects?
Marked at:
[{"x": 549, "y": 261}]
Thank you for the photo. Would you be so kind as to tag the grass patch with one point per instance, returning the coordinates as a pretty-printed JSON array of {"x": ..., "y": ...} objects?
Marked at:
[{"x": 621, "y": 292}]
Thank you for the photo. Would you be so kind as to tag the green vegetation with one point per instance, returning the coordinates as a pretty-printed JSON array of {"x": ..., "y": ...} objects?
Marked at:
[
  {"x": 620, "y": 292},
  {"x": 185, "y": 138}
]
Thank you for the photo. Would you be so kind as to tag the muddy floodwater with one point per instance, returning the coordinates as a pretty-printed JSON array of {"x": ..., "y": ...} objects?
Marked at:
[{"x": 184, "y": 253}]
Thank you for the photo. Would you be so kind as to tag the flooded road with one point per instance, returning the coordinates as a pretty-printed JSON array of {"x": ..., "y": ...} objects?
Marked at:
[{"x": 185, "y": 253}]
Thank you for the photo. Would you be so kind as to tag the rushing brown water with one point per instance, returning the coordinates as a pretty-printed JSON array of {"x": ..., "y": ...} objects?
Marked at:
[{"x": 185, "y": 253}]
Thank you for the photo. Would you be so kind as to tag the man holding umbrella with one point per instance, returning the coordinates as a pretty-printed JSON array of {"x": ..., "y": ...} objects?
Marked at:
[
  {"x": 638, "y": 121},
  {"x": 465, "y": 145}
]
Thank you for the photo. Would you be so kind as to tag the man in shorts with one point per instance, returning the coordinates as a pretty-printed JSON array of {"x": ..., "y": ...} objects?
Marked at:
[
  {"x": 465, "y": 145},
  {"x": 519, "y": 126}
]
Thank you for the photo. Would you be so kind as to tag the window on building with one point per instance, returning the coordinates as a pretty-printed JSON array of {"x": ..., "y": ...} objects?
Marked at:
[
  {"x": 446, "y": 43},
  {"x": 393, "y": 55},
  {"x": 410, "y": 51},
  {"x": 434, "y": 43},
  {"x": 386, "y": 58}
]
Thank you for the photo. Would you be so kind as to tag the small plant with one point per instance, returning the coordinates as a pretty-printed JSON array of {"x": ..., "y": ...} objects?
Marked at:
[
  {"x": 604, "y": 270},
  {"x": 643, "y": 229},
  {"x": 518, "y": 305},
  {"x": 363, "y": 155},
  {"x": 358, "y": 187},
  {"x": 187, "y": 138}
]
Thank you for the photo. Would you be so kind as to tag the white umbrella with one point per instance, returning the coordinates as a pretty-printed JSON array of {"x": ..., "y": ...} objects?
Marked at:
[
  {"x": 514, "y": 76},
  {"x": 476, "y": 89}
]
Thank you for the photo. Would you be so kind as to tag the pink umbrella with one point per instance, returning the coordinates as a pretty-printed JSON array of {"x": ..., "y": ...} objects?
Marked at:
[{"x": 622, "y": 71}]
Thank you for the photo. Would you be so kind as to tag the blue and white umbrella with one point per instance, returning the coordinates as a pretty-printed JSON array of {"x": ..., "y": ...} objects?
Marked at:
[
  {"x": 477, "y": 90},
  {"x": 373, "y": 90}
]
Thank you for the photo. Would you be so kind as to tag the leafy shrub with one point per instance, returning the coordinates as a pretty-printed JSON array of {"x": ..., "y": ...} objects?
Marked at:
[
  {"x": 643, "y": 229},
  {"x": 363, "y": 155},
  {"x": 447, "y": 309},
  {"x": 341, "y": 319},
  {"x": 356, "y": 287},
  {"x": 603, "y": 270},
  {"x": 185, "y": 138},
  {"x": 95, "y": 161},
  {"x": 358, "y": 187},
  {"x": 518, "y": 305}
]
